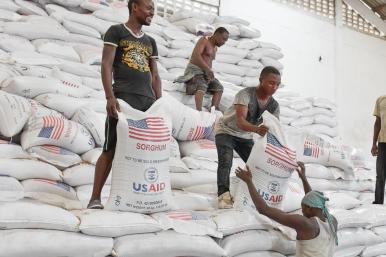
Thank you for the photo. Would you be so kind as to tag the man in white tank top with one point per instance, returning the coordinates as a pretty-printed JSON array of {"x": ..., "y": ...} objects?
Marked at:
[{"x": 316, "y": 228}]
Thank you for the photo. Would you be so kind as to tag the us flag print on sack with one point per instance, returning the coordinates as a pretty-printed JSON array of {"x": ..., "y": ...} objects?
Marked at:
[
  {"x": 200, "y": 132},
  {"x": 56, "y": 150},
  {"x": 52, "y": 127},
  {"x": 275, "y": 149},
  {"x": 152, "y": 129},
  {"x": 311, "y": 149}
]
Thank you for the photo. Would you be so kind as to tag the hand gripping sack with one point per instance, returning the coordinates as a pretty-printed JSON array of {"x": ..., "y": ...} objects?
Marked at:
[
  {"x": 271, "y": 163},
  {"x": 140, "y": 179}
]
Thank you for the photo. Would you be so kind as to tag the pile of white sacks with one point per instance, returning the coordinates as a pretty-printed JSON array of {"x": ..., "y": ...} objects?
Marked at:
[{"x": 52, "y": 112}]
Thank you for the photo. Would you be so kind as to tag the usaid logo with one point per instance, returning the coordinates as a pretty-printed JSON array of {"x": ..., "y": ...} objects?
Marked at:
[
  {"x": 151, "y": 175},
  {"x": 274, "y": 187}
]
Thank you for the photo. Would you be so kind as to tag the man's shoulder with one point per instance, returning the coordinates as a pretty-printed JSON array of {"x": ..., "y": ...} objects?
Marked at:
[{"x": 116, "y": 27}]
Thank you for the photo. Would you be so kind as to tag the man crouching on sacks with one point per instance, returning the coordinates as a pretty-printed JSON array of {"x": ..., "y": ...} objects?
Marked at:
[
  {"x": 316, "y": 228},
  {"x": 235, "y": 129}
]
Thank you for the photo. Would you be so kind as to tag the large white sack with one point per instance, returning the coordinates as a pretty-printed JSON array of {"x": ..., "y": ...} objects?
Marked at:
[
  {"x": 175, "y": 62},
  {"x": 33, "y": 58},
  {"x": 176, "y": 165},
  {"x": 82, "y": 174},
  {"x": 228, "y": 68},
  {"x": 6, "y": 70},
  {"x": 69, "y": 105},
  {"x": 6, "y": 15},
  {"x": 267, "y": 61},
  {"x": 9, "y": 5},
  {"x": 349, "y": 252},
  {"x": 61, "y": 51},
  {"x": 30, "y": 87},
  {"x": 323, "y": 103},
  {"x": 41, "y": 30},
  {"x": 9, "y": 150},
  {"x": 15, "y": 110},
  {"x": 52, "y": 130},
  {"x": 78, "y": 38},
  {"x": 272, "y": 163},
  {"x": 192, "y": 178},
  {"x": 248, "y": 44},
  {"x": 318, "y": 110},
  {"x": 233, "y": 221},
  {"x": 65, "y": 77},
  {"x": 32, "y": 214},
  {"x": 28, "y": 8},
  {"x": 342, "y": 200},
  {"x": 288, "y": 112},
  {"x": 32, "y": 70},
  {"x": 10, "y": 189},
  {"x": 202, "y": 148},
  {"x": 375, "y": 213},
  {"x": 89, "y": 20},
  {"x": 114, "y": 15},
  {"x": 374, "y": 250},
  {"x": 259, "y": 53},
  {"x": 51, "y": 192},
  {"x": 321, "y": 129},
  {"x": 299, "y": 104},
  {"x": 94, "y": 122},
  {"x": 77, "y": 28},
  {"x": 115, "y": 224},
  {"x": 159, "y": 39},
  {"x": 200, "y": 164},
  {"x": 79, "y": 69},
  {"x": 188, "y": 222},
  {"x": 241, "y": 53},
  {"x": 349, "y": 219},
  {"x": 314, "y": 149},
  {"x": 315, "y": 170},
  {"x": 171, "y": 33},
  {"x": 94, "y": 83},
  {"x": 57, "y": 156},
  {"x": 140, "y": 179},
  {"x": 250, "y": 63},
  {"x": 192, "y": 201},
  {"x": 90, "y": 55},
  {"x": 257, "y": 240},
  {"x": 349, "y": 237},
  {"x": 92, "y": 156},
  {"x": 326, "y": 120},
  {"x": 248, "y": 32},
  {"x": 359, "y": 186},
  {"x": 48, "y": 243},
  {"x": 189, "y": 124},
  {"x": 181, "y": 44},
  {"x": 12, "y": 43},
  {"x": 189, "y": 24},
  {"x": 227, "y": 58},
  {"x": 25, "y": 169},
  {"x": 166, "y": 244}
]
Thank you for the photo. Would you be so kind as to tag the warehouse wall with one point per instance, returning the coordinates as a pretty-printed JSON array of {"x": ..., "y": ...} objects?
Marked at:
[{"x": 352, "y": 67}]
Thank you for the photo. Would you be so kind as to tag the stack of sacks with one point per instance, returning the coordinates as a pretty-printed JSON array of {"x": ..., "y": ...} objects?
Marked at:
[
  {"x": 313, "y": 115},
  {"x": 242, "y": 58}
]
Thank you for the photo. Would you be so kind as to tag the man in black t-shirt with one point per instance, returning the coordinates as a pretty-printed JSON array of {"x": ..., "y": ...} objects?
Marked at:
[{"x": 129, "y": 56}]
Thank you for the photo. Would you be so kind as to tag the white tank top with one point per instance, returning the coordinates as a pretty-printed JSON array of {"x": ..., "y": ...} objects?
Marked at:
[{"x": 321, "y": 246}]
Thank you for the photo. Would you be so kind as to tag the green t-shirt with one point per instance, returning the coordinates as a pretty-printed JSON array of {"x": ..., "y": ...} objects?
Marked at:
[{"x": 131, "y": 68}]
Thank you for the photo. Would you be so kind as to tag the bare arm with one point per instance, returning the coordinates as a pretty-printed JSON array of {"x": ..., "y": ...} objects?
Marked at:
[
  {"x": 108, "y": 56},
  {"x": 302, "y": 175},
  {"x": 297, "y": 222},
  {"x": 156, "y": 80},
  {"x": 242, "y": 123},
  {"x": 377, "y": 129}
]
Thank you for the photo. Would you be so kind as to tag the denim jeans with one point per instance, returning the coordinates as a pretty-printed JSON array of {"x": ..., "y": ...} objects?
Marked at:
[
  {"x": 381, "y": 174},
  {"x": 225, "y": 145}
]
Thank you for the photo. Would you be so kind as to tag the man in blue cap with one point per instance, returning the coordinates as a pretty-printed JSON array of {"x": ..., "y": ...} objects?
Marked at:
[{"x": 316, "y": 228}]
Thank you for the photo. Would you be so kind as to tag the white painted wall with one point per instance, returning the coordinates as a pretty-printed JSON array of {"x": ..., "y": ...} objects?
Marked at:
[{"x": 352, "y": 70}]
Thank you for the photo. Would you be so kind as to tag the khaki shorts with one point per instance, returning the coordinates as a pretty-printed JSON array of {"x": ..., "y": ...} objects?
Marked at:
[{"x": 201, "y": 83}]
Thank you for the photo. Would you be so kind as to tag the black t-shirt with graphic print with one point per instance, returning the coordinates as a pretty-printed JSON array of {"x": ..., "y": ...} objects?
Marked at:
[{"x": 131, "y": 68}]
